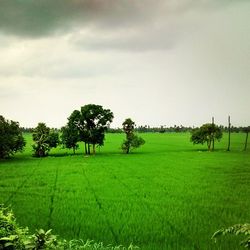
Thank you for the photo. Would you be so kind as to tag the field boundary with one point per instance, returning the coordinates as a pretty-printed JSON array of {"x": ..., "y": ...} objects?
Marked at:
[
  {"x": 52, "y": 197},
  {"x": 22, "y": 183},
  {"x": 99, "y": 204}
]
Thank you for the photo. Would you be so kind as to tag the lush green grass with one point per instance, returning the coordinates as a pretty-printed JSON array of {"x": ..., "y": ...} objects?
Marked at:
[{"x": 167, "y": 195}]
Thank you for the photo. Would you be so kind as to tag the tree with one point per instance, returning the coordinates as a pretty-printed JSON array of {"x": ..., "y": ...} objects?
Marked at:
[
  {"x": 91, "y": 122},
  {"x": 45, "y": 139},
  {"x": 132, "y": 141},
  {"x": 207, "y": 133},
  {"x": 11, "y": 139},
  {"x": 70, "y": 137}
]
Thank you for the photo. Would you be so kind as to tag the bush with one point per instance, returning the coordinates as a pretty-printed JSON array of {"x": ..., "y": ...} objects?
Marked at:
[
  {"x": 13, "y": 237},
  {"x": 238, "y": 229}
]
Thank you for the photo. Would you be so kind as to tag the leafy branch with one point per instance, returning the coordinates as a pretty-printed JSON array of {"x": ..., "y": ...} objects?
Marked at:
[{"x": 238, "y": 229}]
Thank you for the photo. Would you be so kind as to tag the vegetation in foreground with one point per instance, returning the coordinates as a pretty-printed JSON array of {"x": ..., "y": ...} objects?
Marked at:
[
  {"x": 14, "y": 237},
  {"x": 238, "y": 229}
]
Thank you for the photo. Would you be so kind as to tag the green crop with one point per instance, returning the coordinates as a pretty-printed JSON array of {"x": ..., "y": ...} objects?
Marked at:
[{"x": 169, "y": 194}]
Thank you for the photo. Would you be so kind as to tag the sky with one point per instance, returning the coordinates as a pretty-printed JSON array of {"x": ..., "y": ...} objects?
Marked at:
[{"x": 163, "y": 62}]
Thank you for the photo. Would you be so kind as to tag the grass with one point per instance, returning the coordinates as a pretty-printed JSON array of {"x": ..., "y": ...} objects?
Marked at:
[{"x": 168, "y": 194}]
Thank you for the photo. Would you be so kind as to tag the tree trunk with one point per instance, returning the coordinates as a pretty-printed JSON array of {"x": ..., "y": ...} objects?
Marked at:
[
  {"x": 88, "y": 149},
  {"x": 93, "y": 149},
  {"x": 85, "y": 146},
  {"x": 209, "y": 145},
  {"x": 127, "y": 150},
  {"x": 229, "y": 134},
  {"x": 245, "y": 148}
]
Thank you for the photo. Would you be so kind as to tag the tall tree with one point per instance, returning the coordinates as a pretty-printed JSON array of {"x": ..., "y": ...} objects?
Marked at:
[
  {"x": 11, "y": 138},
  {"x": 207, "y": 133},
  {"x": 92, "y": 121},
  {"x": 132, "y": 141},
  {"x": 45, "y": 139}
]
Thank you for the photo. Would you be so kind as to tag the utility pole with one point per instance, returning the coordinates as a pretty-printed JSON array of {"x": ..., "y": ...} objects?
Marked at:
[
  {"x": 247, "y": 131},
  {"x": 229, "y": 133},
  {"x": 213, "y": 135}
]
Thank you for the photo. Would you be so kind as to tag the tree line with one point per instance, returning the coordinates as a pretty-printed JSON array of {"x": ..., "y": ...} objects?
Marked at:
[{"x": 89, "y": 125}]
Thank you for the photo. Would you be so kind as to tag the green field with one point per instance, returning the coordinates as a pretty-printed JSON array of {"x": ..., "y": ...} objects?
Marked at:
[{"x": 168, "y": 194}]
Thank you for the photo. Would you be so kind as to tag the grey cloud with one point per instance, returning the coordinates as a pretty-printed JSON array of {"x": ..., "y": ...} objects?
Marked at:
[
  {"x": 135, "y": 41},
  {"x": 43, "y": 17},
  {"x": 56, "y": 70}
]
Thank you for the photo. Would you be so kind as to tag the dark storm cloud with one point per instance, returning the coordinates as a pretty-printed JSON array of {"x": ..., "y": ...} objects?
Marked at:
[
  {"x": 42, "y": 17},
  {"x": 35, "y": 18}
]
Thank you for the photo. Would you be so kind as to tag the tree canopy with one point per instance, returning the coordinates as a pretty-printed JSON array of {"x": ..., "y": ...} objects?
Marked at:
[
  {"x": 11, "y": 139},
  {"x": 91, "y": 122},
  {"x": 45, "y": 139},
  {"x": 207, "y": 133}
]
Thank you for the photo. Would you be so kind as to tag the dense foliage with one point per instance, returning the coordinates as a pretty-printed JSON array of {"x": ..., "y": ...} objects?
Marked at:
[
  {"x": 207, "y": 133},
  {"x": 91, "y": 122},
  {"x": 11, "y": 139},
  {"x": 70, "y": 137},
  {"x": 132, "y": 141},
  {"x": 45, "y": 139}
]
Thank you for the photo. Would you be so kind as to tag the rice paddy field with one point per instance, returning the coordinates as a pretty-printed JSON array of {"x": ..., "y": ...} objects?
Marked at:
[{"x": 169, "y": 194}]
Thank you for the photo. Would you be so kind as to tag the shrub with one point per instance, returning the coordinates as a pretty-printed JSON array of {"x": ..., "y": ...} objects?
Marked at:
[
  {"x": 13, "y": 237},
  {"x": 238, "y": 229}
]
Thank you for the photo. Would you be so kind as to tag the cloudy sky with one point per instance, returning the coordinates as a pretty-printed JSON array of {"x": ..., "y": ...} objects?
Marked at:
[{"x": 161, "y": 62}]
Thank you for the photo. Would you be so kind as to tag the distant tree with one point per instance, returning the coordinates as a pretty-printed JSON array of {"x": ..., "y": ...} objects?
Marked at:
[
  {"x": 11, "y": 139},
  {"x": 132, "y": 141},
  {"x": 70, "y": 137},
  {"x": 246, "y": 130},
  {"x": 177, "y": 129},
  {"x": 45, "y": 139},
  {"x": 92, "y": 121},
  {"x": 26, "y": 130},
  {"x": 162, "y": 129},
  {"x": 207, "y": 133}
]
